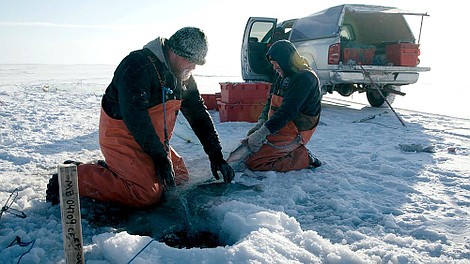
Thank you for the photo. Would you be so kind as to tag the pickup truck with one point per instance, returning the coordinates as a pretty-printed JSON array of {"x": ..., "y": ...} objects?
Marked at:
[{"x": 352, "y": 48}]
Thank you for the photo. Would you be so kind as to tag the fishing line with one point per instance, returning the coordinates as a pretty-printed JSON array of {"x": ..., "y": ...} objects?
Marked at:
[{"x": 138, "y": 253}]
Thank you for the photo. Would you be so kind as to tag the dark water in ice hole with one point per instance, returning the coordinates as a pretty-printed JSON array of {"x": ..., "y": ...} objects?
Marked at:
[{"x": 181, "y": 220}]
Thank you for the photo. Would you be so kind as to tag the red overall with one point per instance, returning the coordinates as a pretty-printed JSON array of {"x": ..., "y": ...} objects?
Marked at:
[
  {"x": 131, "y": 178},
  {"x": 285, "y": 150}
]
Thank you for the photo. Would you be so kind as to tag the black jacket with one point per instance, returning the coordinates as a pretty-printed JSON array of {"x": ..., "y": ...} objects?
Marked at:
[
  {"x": 136, "y": 87},
  {"x": 299, "y": 88}
]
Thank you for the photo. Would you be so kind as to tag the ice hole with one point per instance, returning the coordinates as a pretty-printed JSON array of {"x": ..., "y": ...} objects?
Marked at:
[{"x": 195, "y": 239}]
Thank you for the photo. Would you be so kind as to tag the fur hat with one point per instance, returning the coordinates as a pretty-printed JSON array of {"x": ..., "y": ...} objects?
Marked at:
[{"x": 189, "y": 43}]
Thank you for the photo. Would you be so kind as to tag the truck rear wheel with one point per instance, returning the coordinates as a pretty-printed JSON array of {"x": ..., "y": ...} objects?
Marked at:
[{"x": 375, "y": 100}]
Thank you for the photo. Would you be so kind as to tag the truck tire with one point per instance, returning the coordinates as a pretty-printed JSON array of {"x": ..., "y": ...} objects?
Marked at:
[{"x": 376, "y": 100}]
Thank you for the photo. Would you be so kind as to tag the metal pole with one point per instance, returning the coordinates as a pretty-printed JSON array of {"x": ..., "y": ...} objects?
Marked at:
[{"x": 367, "y": 74}]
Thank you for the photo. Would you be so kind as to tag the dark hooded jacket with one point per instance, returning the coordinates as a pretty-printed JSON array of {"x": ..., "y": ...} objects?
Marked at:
[
  {"x": 299, "y": 88},
  {"x": 137, "y": 86}
]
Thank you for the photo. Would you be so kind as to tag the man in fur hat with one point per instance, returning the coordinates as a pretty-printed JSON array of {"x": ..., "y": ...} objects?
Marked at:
[{"x": 139, "y": 109}]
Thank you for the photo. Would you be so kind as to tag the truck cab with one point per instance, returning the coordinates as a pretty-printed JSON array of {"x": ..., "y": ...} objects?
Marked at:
[{"x": 352, "y": 48}]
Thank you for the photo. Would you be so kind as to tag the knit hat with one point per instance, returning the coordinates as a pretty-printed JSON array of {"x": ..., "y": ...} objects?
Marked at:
[{"x": 189, "y": 43}]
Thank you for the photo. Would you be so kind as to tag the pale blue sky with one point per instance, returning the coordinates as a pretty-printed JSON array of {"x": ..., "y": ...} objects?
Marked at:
[{"x": 104, "y": 31}]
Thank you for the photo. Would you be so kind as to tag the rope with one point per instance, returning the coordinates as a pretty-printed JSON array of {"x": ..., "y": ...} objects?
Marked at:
[
  {"x": 7, "y": 207},
  {"x": 369, "y": 117},
  {"x": 138, "y": 253},
  {"x": 165, "y": 91},
  {"x": 18, "y": 241}
]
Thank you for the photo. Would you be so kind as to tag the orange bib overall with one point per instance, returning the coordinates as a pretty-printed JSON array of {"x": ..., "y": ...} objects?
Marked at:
[
  {"x": 285, "y": 150},
  {"x": 130, "y": 178}
]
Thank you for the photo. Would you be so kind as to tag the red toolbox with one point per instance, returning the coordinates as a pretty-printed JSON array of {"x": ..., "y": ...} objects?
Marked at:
[
  {"x": 350, "y": 54},
  {"x": 359, "y": 55},
  {"x": 239, "y": 112},
  {"x": 244, "y": 93},
  {"x": 403, "y": 54},
  {"x": 210, "y": 101}
]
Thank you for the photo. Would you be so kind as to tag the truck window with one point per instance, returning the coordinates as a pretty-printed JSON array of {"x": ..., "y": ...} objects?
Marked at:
[
  {"x": 258, "y": 43},
  {"x": 347, "y": 33},
  {"x": 262, "y": 31}
]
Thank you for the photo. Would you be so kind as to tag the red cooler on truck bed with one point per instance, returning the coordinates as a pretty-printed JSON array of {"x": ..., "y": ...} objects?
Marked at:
[{"x": 403, "y": 54}]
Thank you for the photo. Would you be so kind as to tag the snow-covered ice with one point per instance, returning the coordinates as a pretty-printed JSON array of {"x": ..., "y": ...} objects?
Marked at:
[{"x": 386, "y": 193}]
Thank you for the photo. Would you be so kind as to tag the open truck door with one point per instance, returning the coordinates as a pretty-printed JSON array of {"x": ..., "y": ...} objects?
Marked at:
[{"x": 257, "y": 39}]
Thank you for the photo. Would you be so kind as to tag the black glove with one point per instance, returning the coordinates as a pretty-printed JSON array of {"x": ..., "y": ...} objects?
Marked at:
[
  {"x": 226, "y": 170},
  {"x": 165, "y": 172}
]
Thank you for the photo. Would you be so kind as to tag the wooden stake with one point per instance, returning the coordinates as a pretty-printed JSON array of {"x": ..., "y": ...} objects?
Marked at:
[{"x": 70, "y": 211}]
